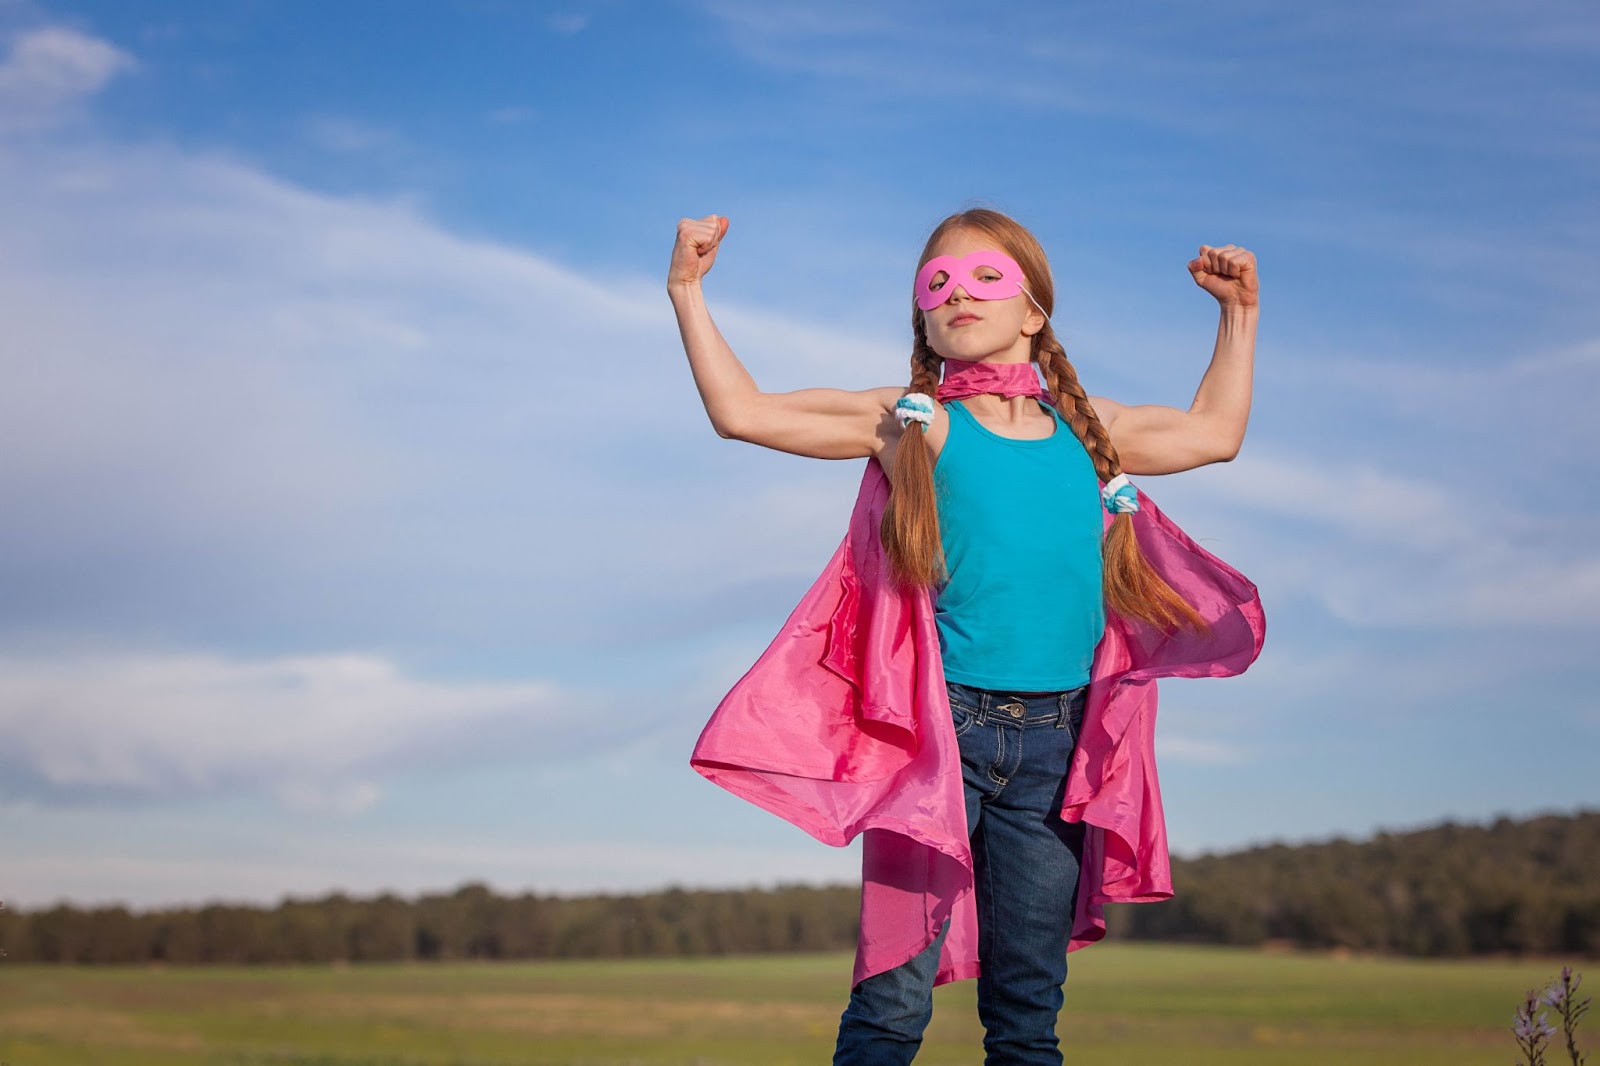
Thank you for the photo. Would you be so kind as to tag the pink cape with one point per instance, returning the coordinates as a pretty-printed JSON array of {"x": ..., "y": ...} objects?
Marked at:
[{"x": 843, "y": 726}]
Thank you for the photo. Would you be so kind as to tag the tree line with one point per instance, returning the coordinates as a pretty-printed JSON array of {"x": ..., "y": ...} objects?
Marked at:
[
  {"x": 1529, "y": 886},
  {"x": 1524, "y": 887},
  {"x": 471, "y": 922}
]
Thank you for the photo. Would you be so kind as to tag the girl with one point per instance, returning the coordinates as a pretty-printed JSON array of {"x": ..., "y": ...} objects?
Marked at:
[{"x": 1000, "y": 568}]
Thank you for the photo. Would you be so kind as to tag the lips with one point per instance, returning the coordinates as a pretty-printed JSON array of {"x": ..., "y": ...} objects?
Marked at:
[{"x": 962, "y": 320}]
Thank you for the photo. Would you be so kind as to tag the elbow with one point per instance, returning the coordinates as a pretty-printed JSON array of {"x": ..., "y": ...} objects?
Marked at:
[
  {"x": 737, "y": 419},
  {"x": 729, "y": 426},
  {"x": 1228, "y": 449}
]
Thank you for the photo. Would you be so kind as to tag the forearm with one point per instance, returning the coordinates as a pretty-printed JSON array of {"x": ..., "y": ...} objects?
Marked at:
[
  {"x": 1223, "y": 398},
  {"x": 726, "y": 387}
]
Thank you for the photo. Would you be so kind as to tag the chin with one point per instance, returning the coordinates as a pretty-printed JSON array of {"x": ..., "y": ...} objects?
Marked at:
[{"x": 963, "y": 353}]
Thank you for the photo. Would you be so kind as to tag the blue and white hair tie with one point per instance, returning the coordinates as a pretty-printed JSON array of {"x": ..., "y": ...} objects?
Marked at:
[
  {"x": 1119, "y": 495},
  {"x": 914, "y": 407}
]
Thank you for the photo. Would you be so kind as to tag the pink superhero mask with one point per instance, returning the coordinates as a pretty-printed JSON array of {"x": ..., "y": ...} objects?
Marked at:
[{"x": 965, "y": 271}]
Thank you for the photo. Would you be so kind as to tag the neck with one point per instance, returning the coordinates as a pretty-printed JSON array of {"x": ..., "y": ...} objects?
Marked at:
[
  {"x": 1006, "y": 380},
  {"x": 1001, "y": 408}
]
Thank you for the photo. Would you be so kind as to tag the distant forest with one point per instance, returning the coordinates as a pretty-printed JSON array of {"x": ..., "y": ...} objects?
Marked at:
[{"x": 1520, "y": 887}]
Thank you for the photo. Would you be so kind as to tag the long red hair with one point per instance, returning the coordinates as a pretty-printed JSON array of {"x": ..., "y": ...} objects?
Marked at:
[{"x": 911, "y": 523}]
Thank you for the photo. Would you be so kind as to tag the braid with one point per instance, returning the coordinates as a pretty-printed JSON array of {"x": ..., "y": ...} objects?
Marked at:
[
  {"x": 1073, "y": 403},
  {"x": 926, "y": 366},
  {"x": 910, "y": 528},
  {"x": 1132, "y": 587}
]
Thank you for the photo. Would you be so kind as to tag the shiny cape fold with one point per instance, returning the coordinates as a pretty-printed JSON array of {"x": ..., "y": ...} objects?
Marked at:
[{"x": 843, "y": 727}]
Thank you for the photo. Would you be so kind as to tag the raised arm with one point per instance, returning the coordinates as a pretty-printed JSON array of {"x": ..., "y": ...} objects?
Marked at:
[
  {"x": 821, "y": 423},
  {"x": 1155, "y": 439}
]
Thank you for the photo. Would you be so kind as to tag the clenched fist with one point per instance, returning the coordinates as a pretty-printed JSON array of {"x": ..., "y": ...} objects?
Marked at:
[
  {"x": 1228, "y": 273},
  {"x": 696, "y": 249}
]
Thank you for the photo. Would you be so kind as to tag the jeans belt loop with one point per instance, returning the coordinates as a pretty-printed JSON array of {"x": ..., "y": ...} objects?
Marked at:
[{"x": 1066, "y": 698}]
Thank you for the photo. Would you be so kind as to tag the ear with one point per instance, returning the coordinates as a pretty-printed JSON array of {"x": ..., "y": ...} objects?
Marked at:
[{"x": 1033, "y": 323}]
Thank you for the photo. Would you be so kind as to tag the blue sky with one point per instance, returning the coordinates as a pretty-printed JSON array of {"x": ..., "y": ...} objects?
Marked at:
[{"x": 363, "y": 529}]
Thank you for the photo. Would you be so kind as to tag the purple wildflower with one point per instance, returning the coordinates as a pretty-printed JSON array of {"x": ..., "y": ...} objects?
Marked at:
[
  {"x": 1532, "y": 1030},
  {"x": 1530, "y": 1027}
]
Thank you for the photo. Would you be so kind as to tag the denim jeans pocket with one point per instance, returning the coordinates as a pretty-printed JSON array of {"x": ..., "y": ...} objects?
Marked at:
[{"x": 962, "y": 712}]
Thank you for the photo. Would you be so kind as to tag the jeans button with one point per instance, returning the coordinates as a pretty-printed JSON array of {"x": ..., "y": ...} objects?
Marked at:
[{"x": 1015, "y": 710}]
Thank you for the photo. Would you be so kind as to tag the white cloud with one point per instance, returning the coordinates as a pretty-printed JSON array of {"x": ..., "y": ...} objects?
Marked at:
[
  {"x": 1380, "y": 547},
  {"x": 252, "y": 414},
  {"x": 50, "y": 71},
  {"x": 1504, "y": 399},
  {"x": 1366, "y": 504},
  {"x": 1183, "y": 748},
  {"x": 342, "y": 798},
  {"x": 567, "y": 24},
  {"x": 511, "y": 115},
  {"x": 812, "y": 22},
  {"x": 1149, "y": 71},
  {"x": 311, "y": 730},
  {"x": 346, "y": 136},
  {"x": 228, "y": 380}
]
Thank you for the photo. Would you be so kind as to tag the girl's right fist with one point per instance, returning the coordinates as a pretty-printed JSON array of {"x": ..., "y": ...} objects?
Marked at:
[{"x": 696, "y": 248}]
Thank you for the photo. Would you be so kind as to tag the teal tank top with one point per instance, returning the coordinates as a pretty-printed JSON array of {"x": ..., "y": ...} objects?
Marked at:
[{"x": 1022, "y": 607}]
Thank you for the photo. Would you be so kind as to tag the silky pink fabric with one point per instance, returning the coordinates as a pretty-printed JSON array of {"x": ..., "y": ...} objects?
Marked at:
[
  {"x": 843, "y": 727},
  {"x": 963, "y": 379}
]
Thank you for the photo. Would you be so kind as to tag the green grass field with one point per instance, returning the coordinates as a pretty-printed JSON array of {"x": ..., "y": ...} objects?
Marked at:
[{"x": 1126, "y": 1004}]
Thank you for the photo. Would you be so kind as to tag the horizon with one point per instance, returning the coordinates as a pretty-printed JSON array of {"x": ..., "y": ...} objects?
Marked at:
[{"x": 767, "y": 886}]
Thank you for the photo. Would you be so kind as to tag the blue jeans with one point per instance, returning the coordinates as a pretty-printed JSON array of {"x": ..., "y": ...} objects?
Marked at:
[{"x": 1015, "y": 752}]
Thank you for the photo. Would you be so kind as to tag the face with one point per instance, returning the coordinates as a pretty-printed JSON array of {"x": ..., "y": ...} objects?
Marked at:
[{"x": 978, "y": 314}]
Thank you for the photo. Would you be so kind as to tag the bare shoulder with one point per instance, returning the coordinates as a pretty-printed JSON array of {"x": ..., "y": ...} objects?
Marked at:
[
  {"x": 886, "y": 395},
  {"x": 1106, "y": 410}
]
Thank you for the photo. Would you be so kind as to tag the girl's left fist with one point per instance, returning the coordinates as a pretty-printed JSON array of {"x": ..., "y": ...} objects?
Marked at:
[{"x": 1228, "y": 273}]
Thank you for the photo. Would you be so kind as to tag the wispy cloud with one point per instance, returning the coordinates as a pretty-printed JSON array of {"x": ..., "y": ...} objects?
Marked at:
[
  {"x": 512, "y": 115},
  {"x": 345, "y": 135},
  {"x": 1505, "y": 397},
  {"x": 256, "y": 415},
  {"x": 1184, "y": 748},
  {"x": 567, "y": 24},
  {"x": 1390, "y": 548},
  {"x": 1201, "y": 72},
  {"x": 243, "y": 385},
  {"x": 48, "y": 73},
  {"x": 310, "y": 730}
]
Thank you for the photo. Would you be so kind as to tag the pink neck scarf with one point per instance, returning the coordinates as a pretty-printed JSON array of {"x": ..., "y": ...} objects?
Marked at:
[{"x": 962, "y": 379}]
